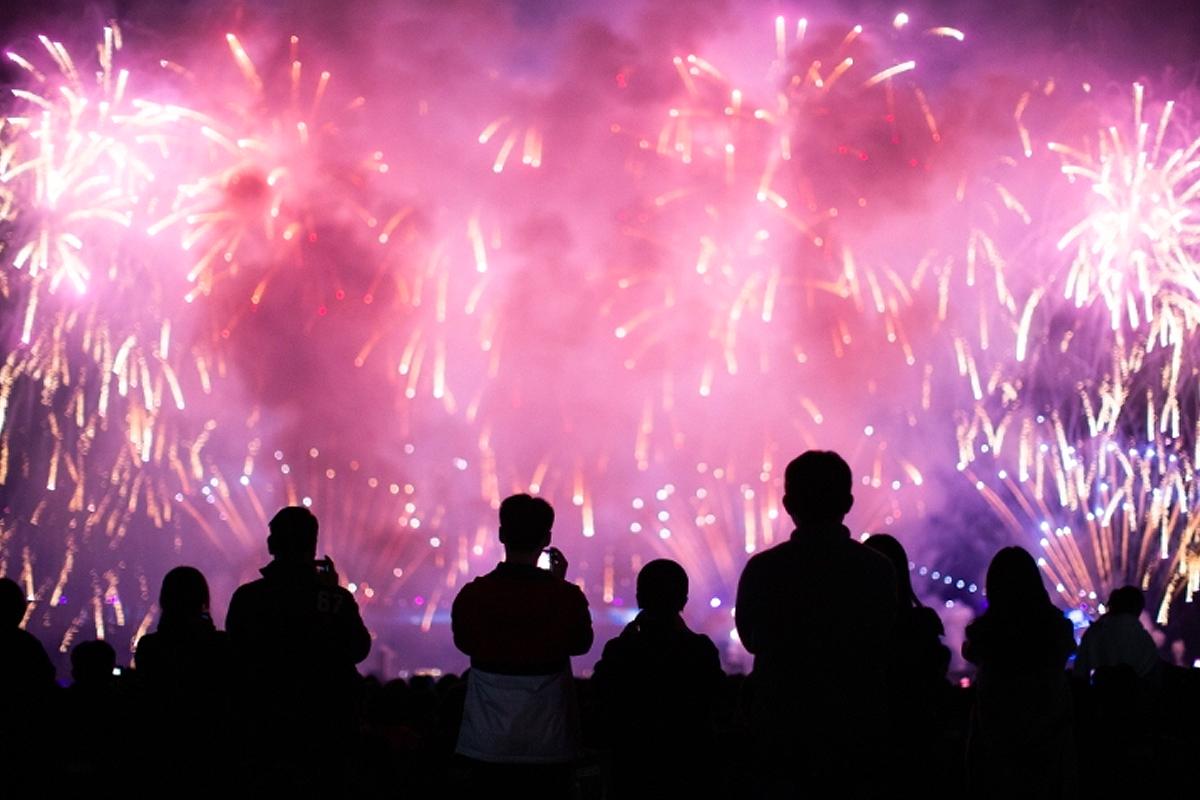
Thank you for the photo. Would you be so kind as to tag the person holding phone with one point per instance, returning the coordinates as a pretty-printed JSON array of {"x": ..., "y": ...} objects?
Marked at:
[
  {"x": 520, "y": 625},
  {"x": 297, "y": 636}
]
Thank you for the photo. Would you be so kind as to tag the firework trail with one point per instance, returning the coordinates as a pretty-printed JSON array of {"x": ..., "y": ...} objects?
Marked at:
[
  {"x": 637, "y": 288},
  {"x": 278, "y": 180}
]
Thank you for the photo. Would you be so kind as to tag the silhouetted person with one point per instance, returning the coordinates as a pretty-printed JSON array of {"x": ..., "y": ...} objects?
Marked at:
[
  {"x": 185, "y": 669},
  {"x": 1020, "y": 742},
  {"x": 92, "y": 665},
  {"x": 520, "y": 625},
  {"x": 1118, "y": 639},
  {"x": 297, "y": 637},
  {"x": 916, "y": 679},
  {"x": 656, "y": 684},
  {"x": 1119, "y": 661},
  {"x": 26, "y": 687},
  {"x": 817, "y": 612},
  {"x": 95, "y": 726},
  {"x": 25, "y": 669}
]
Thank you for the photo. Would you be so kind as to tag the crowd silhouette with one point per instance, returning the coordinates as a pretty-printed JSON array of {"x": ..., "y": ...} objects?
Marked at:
[{"x": 848, "y": 696}]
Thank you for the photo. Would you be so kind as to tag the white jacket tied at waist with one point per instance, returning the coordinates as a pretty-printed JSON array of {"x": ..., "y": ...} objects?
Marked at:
[{"x": 519, "y": 719}]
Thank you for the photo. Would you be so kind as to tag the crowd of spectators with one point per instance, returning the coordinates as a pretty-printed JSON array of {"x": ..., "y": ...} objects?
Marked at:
[{"x": 848, "y": 697}]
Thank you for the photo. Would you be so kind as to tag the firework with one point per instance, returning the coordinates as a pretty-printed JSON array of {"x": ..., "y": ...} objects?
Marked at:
[
  {"x": 1135, "y": 250},
  {"x": 637, "y": 289},
  {"x": 278, "y": 179},
  {"x": 1105, "y": 512}
]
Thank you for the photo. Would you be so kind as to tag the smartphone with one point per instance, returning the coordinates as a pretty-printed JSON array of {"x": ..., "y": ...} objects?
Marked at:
[
  {"x": 544, "y": 560},
  {"x": 322, "y": 566},
  {"x": 116, "y": 672}
]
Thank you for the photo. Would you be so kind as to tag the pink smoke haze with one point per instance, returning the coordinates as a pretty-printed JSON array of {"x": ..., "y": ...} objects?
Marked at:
[{"x": 397, "y": 261}]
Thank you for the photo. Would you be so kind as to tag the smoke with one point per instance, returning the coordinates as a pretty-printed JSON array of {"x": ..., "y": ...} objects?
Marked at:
[{"x": 589, "y": 290}]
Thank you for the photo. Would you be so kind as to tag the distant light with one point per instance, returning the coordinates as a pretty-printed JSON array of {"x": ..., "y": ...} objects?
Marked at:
[
  {"x": 714, "y": 603},
  {"x": 900, "y": 21}
]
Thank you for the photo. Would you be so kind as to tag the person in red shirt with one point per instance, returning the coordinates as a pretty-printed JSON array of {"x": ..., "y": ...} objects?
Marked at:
[{"x": 520, "y": 625}]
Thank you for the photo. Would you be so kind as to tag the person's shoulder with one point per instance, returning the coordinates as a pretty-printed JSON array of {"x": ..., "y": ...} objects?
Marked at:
[
  {"x": 25, "y": 638},
  {"x": 618, "y": 646},
  {"x": 869, "y": 557},
  {"x": 925, "y": 620},
  {"x": 776, "y": 554},
  {"x": 978, "y": 626},
  {"x": 1060, "y": 620},
  {"x": 475, "y": 585},
  {"x": 703, "y": 643},
  {"x": 571, "y": 590},
  {"x": 250, "y": 589}
]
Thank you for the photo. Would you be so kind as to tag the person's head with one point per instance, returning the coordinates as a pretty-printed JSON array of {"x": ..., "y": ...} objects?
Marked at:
[
  {"x": 184, "y": 594},
  {"x": 1014, "y": 582},
  {"x": 525, "y": 523},
  {"x": 293, "y": 535},
  {"x": 1127, "y": 600},
  {"x": 92, "y": 663},
  {"x": 662, "y": 587},
  {"x": 12, "y": 603},
  {"x": 890, "y": 548},
  {"x": 817, "y": 488}
]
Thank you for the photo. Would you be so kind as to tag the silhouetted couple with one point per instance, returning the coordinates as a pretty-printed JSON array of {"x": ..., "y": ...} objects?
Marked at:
[{"x": 278, "y": 695}]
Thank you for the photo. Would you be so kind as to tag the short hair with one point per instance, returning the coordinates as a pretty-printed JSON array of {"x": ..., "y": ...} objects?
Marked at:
[
  {"x": 662, "y": 585},
  {"x": 12, "y": 603},
  {"x": 525, "y": 521},
  {"x": 1127, "y": 600},
  {"x": 184, "y": 593},
  {"x": 93, "y": 661},
  {"x": 293, "y": 532},
  {"x": 818, "y": 485}
]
